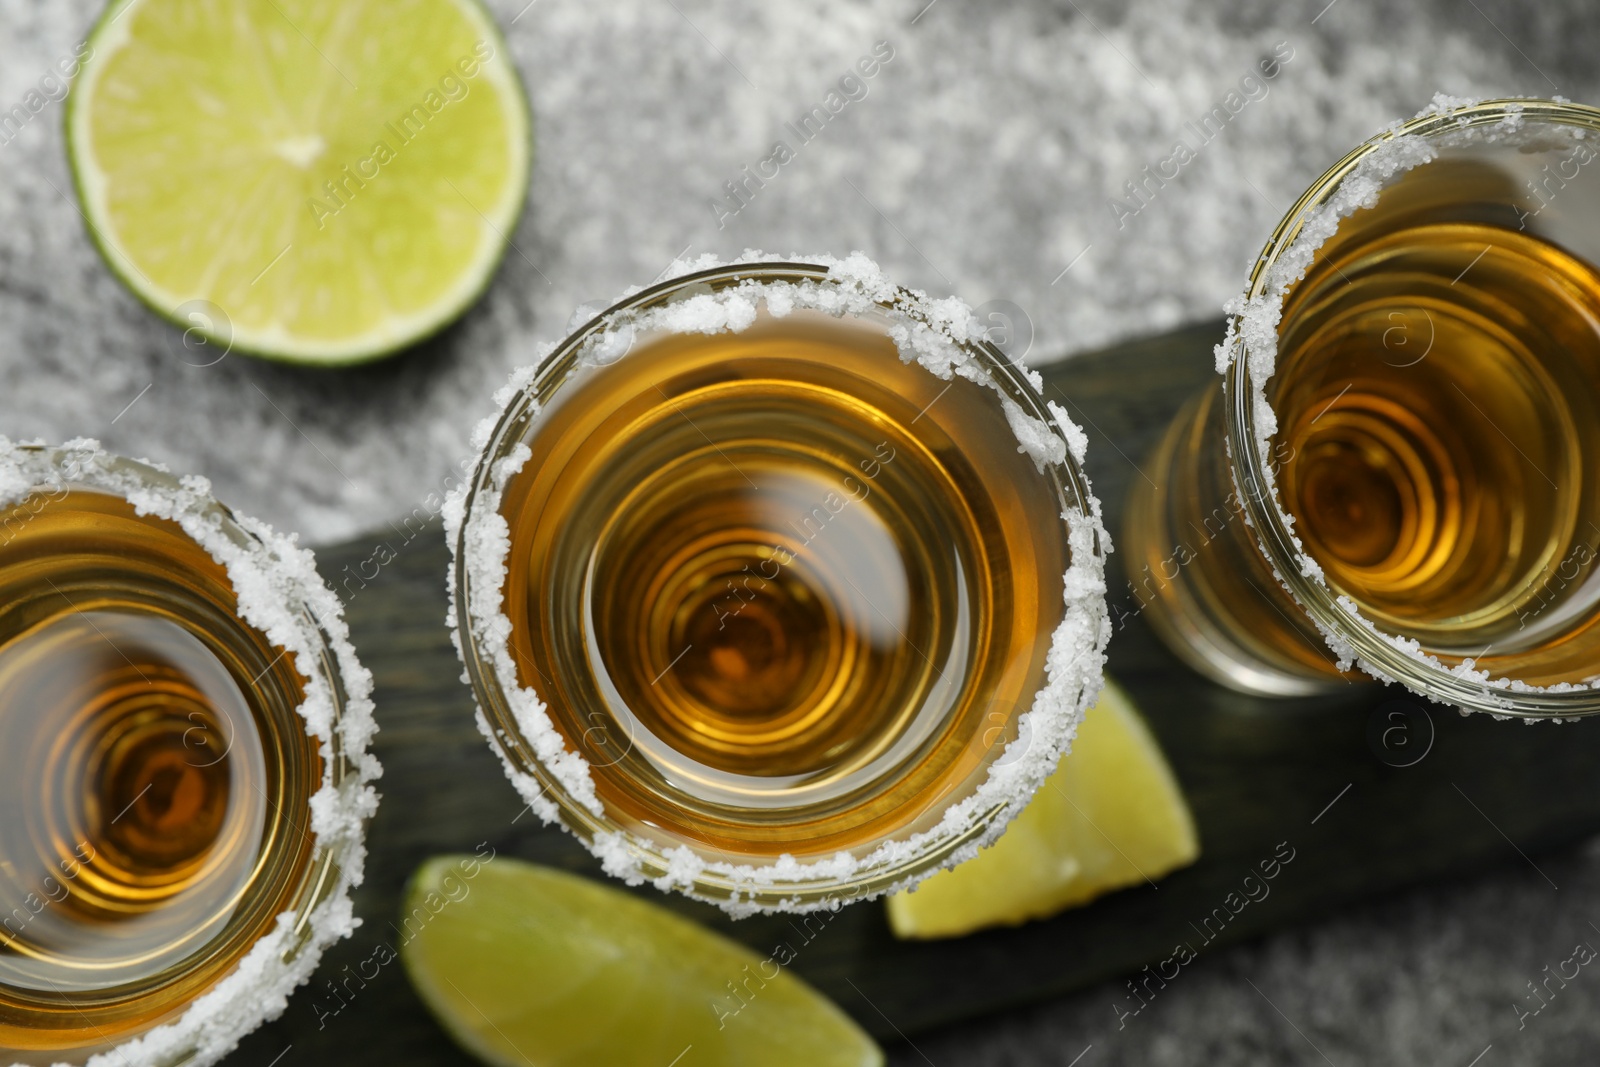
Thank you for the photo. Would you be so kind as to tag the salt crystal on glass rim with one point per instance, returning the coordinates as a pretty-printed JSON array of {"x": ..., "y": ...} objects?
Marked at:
[
  {"x": 932, "y": 333},
  {"x": 273, "y": 578}
]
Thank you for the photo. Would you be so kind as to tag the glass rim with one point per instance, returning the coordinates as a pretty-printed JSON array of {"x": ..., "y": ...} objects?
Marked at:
[
  {"x": 1348, "y": 633},
  {"x": 769, "y": 883},
  {"x": 336, "y": 712}
]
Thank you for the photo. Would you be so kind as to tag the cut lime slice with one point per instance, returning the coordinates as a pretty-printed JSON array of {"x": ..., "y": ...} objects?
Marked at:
[
  {"x": 531, "y": 967},
  {"x": 308, "y": 181},
  {"x": 1111, "y": 816}
]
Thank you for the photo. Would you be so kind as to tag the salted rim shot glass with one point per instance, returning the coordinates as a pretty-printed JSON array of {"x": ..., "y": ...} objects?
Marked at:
[
  {"x": 848, "y": 475},
  {"x": 185, "y": 728},
  {"x": 1394, "y": 475}
]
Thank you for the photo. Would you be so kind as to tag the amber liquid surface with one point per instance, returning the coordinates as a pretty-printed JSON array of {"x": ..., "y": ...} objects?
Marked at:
[
  {"x": 153, "y": 775},
  {"x": 1438, "y": 400},
  {"x": 782, "y": 591}
]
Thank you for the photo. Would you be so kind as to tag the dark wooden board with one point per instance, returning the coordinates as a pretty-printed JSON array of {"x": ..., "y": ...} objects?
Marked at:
[{"x": 1257, "y": 773}]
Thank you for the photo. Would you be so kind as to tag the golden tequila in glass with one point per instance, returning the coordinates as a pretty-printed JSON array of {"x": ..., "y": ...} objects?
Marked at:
[
  {"x": 1407, "y": 433},
  {"x": 155, "y": 770},
  {"x": 786, "y": 593}
]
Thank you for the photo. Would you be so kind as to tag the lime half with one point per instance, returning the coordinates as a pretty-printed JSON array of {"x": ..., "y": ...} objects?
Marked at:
[
  {"x": 531, "y": 967},
  {"x": 309, "y": 181},
  {"x": 1111, "y": 816}
]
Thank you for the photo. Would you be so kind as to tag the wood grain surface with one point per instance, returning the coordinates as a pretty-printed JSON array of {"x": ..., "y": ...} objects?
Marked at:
[{"x": 1265, "y": 779}]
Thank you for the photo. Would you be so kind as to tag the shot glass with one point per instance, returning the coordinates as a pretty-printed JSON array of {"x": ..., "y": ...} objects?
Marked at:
[
  {"x": 183, "y": 764},
  {"x": 778, "y": 585},
  {"x": 1396, "y": 470}
]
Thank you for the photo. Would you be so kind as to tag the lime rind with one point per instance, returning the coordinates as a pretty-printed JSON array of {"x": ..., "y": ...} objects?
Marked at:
[{"x": 196, "y": 311}]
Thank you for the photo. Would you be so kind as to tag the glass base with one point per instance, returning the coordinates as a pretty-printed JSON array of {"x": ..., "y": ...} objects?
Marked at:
[{"x": 1199, "y": 579}]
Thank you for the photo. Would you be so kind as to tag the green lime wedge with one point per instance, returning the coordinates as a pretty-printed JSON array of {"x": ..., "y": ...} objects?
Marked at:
[
  {"x": 531, "y": 967},
  {"x": 1111, "y": 816},
  {"x": 309, "y": 181}
]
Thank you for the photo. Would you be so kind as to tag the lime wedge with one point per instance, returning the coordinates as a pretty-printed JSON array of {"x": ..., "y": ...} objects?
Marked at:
[
  {"x": 531, "y": 967},
  {"x": 1111, "y": 816},
  {"x": 313, "y": 182}
]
